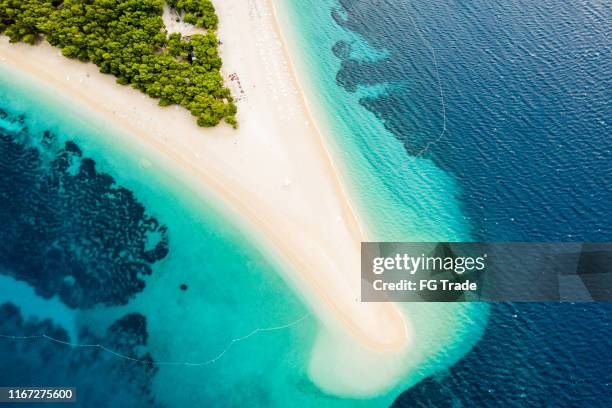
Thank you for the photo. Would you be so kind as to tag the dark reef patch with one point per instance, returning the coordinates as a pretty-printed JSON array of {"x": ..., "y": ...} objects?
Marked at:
[
  {"x": 407, "y": 74},
  {"x": 516, "y": 109},
  {"x": 69, "y": 230},
  {"x": 525, "y": 114},
  {"x": 101, "y": 379},
  {"x": 342, "y": 49}
]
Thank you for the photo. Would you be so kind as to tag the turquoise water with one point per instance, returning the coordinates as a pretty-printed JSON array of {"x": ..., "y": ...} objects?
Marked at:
[
  {"x": 496, "y": 116},
  {"x": 17, "y": 292},
  {"x": 526, "y": 84},
  {"x": 238, "y": 335},
  {"x": 400, "y": 198},
  {"x": 196, "y": 338}
]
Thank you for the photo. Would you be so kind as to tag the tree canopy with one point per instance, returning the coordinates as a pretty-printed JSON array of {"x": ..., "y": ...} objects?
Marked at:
[
  {"x": 197, "y": 12},
  {"x": 127, "y": 38}
]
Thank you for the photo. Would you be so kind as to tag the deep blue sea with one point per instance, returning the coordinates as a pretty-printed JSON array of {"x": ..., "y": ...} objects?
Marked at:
[
  {"x": 511, "y": 102},
  {"x": 480, "y": 120},
  {"x": 526, "y": 105}
]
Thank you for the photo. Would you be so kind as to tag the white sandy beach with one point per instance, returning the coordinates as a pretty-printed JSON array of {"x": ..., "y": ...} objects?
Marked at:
[{"x": 274, "y": 171}]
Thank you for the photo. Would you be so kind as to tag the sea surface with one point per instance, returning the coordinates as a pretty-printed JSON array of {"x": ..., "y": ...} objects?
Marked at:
[
  {"x": 481, "y": 120},
  {"x": 449, "y": 121},
  {"x": 121, "y": 279}
]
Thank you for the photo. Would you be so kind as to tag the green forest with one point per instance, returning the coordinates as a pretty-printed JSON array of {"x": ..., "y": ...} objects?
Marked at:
[{"x": 127, "y": 38}]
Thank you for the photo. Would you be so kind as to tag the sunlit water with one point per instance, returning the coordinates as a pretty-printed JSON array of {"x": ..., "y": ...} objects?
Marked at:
[
  {"x": 434, "y": 114},
  {"x": 483, "y": 120},
  {"x": 116, "y": 272}
]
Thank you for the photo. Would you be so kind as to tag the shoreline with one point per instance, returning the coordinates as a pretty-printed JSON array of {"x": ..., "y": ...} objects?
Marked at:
[
  {"x": 282, "y": 181},
  {"x": 357, "y": 220}
]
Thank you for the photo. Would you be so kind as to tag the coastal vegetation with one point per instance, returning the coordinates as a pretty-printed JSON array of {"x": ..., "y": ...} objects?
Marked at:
[{"x": 127, "y": 38}]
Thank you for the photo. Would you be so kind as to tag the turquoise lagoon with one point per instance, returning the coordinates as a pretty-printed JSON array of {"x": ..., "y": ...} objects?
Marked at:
[{"x": 239, "y": 335}]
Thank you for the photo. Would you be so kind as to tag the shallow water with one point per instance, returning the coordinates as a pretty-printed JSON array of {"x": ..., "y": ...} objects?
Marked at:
[
  {"x": 417, "y": 118},
  {"x": 103, "y": 236},
  {"x": 486, "y": 121},
  {"x": 192, "y": 346}
]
